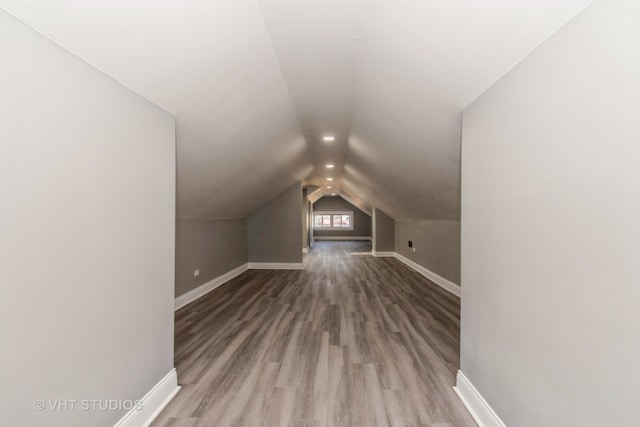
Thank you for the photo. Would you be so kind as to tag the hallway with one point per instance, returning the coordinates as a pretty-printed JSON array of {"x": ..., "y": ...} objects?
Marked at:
[{"x": 351, "y": 340}]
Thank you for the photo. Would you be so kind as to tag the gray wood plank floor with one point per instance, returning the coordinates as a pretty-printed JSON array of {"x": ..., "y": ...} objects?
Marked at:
[{"x": 349, "y": 341}]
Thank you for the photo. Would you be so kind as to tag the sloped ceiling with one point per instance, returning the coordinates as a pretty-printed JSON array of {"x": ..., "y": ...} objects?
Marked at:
[{"x": 255, "y": 85}]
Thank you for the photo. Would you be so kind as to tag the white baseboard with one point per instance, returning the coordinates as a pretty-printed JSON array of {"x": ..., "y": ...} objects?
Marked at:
[
  {"x": 202, "y": 290},
  {"x": 435, "y": 278},
  {"x": 276, "y": 266},
  {"x": 305, "y": 250},
  {"x": 152, "y": 403},
  {"x": 383, "y": 254},
  {"x": 342, "y": 238},
  {"x": 198, "y": 292},
  {"x": 475, "y": 403}
]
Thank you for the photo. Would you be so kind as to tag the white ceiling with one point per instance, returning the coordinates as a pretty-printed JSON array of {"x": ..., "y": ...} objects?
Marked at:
[{"x": 255, "y": 85}]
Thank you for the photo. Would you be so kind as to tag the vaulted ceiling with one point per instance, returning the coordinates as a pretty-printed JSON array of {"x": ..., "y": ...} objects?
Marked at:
[{"x": 255, "y": 85}]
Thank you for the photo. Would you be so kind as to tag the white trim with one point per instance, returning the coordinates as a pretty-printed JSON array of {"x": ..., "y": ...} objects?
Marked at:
[
  {"x": 200, "y": 291},
  {"x": 383, "y": 254},
  {"x": 332, "y": 213},
  {"x": 276, "y": 266},
  {"x": 341, "y": 237},
  {"x": 475, "y": 403},
  {"x": 435, "y": 278},
  {"x": 305, "y": 250},
  {"x": 152, "y": 403}
]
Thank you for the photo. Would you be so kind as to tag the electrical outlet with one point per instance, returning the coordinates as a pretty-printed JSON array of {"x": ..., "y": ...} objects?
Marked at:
[
  {"x": 414, "y": 249},
  {"x": 196, "y": 273}
]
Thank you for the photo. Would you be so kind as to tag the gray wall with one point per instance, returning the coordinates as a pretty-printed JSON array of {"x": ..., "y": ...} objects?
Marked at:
[
  {"x": 305, "y": 219},
  {"x": 361, "y": 221},
  {"x": 213, "y": 246},
  {"x": 87, "y": 208},
  {"x": 274, "y": 231},
  {"x": 550, "y": 202},
  {"x": 384, "y": 233},
  {"x": 436, "y": 243}
]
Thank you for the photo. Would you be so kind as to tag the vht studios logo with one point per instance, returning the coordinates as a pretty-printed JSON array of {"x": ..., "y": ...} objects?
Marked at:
[{"x": 70, "y": 405}]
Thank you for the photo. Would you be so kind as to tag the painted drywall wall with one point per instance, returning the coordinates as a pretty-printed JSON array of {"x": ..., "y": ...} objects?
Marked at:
[
  {"x": 361, "y": 221},
  {"x": 211, "y": 246},
  {"x": 550, "y": 231},
  {"x": 310, "y": 225},
  {"x": 274, "y": 231},
  {"x": 305, "y": 219},
  {"x": 436, "y": 243},
  {"x": 384, "y": 232},
  {"x": 87, "y": 208}
]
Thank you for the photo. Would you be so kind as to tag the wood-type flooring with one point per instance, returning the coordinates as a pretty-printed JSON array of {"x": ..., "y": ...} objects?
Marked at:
[{"x": 351, "y": 340}]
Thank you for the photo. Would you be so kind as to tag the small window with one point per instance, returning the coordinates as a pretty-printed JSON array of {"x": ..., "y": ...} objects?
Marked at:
[{"x": 333, "y": 220}]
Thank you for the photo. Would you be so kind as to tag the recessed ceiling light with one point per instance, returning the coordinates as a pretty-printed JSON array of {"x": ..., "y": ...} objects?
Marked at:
[
  {"x": 328, "y": 186},
  {"x": 333, "y": 194},
  {"x": 329, "y": 138},
  {"x": 329, "y": 179},
  {"x": 330, "y": 166}
]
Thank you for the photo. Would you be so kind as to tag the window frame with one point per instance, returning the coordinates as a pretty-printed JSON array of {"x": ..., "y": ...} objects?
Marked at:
[{"x": 331, "y": 214}]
